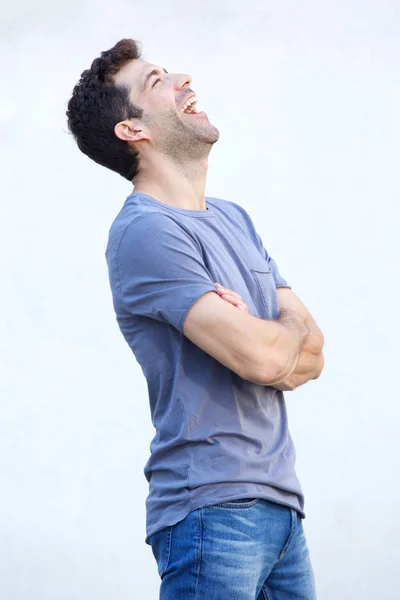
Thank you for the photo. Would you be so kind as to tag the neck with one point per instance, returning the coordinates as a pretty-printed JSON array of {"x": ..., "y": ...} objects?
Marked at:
[{"x": 179, "y": 184}]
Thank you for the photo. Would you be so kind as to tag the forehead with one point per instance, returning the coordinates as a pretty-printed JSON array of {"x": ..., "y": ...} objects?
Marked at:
[{"x": 132, "y": 75}]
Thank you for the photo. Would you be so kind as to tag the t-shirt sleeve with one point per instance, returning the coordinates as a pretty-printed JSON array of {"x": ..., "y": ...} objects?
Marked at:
[
  {"x": 160, "y": 270},
  {"x": 279, "y": 280}
]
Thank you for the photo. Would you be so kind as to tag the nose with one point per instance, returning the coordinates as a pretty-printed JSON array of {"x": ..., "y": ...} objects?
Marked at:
[{"x": 182, "y": 81}]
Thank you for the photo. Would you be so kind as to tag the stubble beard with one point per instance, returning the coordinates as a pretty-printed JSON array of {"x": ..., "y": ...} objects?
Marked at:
[{"x": 183, "y": 142}]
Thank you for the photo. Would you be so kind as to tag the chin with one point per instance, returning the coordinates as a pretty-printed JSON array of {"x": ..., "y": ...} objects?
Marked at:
[
  {"x": 212, "y": 134},
  {"x": 216, "y": 134}
]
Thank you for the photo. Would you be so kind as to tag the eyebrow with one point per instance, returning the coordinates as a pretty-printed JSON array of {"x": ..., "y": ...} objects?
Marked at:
[{"x": 153, "y": 72}]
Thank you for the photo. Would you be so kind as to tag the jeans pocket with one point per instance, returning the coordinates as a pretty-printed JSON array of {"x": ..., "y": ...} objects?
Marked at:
[
  {"x": 160, "y": 543},
  {"x": 241, "y": 503}
]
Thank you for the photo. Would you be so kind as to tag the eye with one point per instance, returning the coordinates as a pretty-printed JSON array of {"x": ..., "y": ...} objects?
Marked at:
[{"x": 156, "y": 81}]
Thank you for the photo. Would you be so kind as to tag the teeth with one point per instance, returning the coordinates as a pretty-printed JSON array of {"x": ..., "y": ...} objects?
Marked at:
[{"x": 189, "y": 103}]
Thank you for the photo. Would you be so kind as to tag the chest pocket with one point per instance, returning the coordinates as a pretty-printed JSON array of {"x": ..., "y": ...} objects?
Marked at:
[{"x": 265, "y": 298}]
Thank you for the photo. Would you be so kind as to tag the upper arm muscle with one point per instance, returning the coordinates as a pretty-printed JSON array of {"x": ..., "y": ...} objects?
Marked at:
[{"x": 234, "y": 338}]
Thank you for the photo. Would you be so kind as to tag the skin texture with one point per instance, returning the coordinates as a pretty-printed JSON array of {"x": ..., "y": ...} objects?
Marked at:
[
  {"x": 259, "y": 350},
  {"x": 173, "y": 150},
  {"x": 311, "y": 360},
  {"x": 173, "y": 146}
]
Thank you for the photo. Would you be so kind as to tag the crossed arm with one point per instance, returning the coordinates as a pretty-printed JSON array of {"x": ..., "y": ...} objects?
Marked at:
[
  {"x": 309, "y": 362},
  {"x": 311, "y": 359}
]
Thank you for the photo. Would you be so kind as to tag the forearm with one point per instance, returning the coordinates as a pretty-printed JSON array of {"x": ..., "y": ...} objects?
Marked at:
[{"x": 281, "y": 353}]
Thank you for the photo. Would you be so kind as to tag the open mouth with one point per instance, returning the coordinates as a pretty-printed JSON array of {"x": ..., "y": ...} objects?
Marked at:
[{"x": 189, "y": 108}]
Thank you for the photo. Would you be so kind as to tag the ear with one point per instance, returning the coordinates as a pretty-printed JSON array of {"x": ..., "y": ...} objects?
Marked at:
[{"x": 130, "y": 130}]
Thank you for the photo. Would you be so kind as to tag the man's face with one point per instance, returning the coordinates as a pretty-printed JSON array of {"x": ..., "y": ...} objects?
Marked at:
[{"x": 170, "y": 117}]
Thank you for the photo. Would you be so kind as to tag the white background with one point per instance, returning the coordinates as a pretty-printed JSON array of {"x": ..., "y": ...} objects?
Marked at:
[{"x": 306, "y": 96}]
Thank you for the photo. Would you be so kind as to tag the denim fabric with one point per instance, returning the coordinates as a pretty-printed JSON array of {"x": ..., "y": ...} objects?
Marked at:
[{"x": 243, "y": 550}]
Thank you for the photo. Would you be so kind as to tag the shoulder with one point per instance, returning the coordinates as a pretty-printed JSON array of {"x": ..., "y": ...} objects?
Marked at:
[
  {"x": 236, "y": 213},
  {"x": 229, "y": 207},
  {"x": 152, "y": 241},
  {"x": 131, "y": 217},
  {"x": 224, "y": 205},
  {"x": 139, "y": 227}
]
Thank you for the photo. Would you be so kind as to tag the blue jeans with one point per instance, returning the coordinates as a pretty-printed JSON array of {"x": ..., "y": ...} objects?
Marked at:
[{"x": 248, "y": 549}]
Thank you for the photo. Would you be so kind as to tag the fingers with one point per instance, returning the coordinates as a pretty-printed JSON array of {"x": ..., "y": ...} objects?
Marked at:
[
  {"x": 231, "y": 296},
  {"x": 226, "y": 292},
  {"x": 242, "y": 307}
]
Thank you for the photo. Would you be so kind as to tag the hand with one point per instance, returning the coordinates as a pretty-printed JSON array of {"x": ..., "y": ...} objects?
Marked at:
[{"x": 231, "y": 297}]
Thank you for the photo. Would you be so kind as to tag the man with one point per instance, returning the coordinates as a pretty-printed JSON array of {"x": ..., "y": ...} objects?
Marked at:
[{"x": 225, "y": 508}]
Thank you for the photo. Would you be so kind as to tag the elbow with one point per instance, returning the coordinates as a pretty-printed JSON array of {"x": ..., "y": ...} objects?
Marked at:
[
  {"x": 319, "y": 366},
  {"x": 273, "y": 370}
]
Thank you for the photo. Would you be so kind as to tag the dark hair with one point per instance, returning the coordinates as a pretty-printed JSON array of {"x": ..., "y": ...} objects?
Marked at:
[{"x": 97, "y": 105}]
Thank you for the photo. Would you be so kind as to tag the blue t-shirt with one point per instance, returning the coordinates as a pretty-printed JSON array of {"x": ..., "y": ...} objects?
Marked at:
[{"x": 218, "y": 437}]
